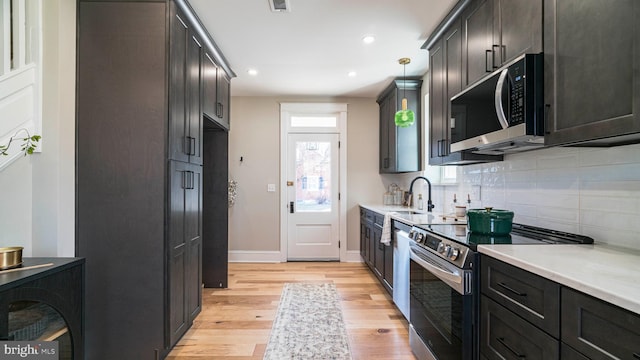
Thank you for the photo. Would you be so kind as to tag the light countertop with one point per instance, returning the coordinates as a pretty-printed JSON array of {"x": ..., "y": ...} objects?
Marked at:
[
  {"x": 413, "y": 216},
  {"x": 605, "y": 272}
]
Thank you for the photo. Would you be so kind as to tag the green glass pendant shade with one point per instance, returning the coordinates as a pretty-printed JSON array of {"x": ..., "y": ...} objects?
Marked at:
[{"x": 405, "y": 118}]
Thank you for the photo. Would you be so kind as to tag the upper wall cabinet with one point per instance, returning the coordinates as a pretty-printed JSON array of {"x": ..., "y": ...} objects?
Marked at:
[
  {"x": 400, "y": 148},
  {"x": 446, "y": 80},
  {"x": 592, "y": 72},
  {"x": 216, "y": 91},
  {"x": 498, "y": 31}
]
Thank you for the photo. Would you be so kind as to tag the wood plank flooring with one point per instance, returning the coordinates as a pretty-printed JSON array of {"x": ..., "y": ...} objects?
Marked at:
[{"x": 235, "y": 323}]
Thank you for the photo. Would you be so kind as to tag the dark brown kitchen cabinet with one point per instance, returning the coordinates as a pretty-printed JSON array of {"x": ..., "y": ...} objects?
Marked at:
[
  {"x": 139, "y": 181},
  {"x": 498, "y": 31},
  {"x": 400, "y": 148},
  {"x": 216, "y": 92},
  {"x": 185, "y": 246},
  {"x": 532, "y": 297},
  {"x": 445, "y": 81},
  {"x": 592, "y": 72},
  {"x": 377, "y": 256},
  {"x": 598, "y": 329},
  {"x": 185, "y": 124},
  {"x": 477, "y": 23},
  {"x": 504, "y": 335}
]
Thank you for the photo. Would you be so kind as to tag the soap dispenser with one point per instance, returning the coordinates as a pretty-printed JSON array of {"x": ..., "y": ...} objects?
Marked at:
[{"x": 420, "y": 202}]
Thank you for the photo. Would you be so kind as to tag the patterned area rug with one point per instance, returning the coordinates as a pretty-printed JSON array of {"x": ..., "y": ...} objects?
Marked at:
[{"x": 308, "y": 324}]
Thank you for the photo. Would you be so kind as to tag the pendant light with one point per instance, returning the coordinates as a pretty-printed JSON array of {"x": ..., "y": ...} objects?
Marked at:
[{"x": 404, "y": 117}]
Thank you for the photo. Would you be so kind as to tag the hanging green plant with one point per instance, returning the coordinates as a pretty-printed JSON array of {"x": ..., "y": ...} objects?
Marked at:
[{"x": 29, "y": 143}]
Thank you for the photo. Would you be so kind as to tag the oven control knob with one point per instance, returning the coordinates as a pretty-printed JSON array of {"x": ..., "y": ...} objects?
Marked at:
[
  {"x": 419, "y": 237},
  {"x": 455, "y": 252},
  {"x": 441, "y": 247},
  {"x": 411, "y": 234},
  {"x": 447, "y": 251}
]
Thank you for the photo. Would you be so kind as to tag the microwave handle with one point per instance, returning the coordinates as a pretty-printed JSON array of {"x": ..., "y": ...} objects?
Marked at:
[{"x": 498, "y": 99}]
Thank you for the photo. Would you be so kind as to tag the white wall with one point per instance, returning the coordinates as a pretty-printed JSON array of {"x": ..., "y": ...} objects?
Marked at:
[
  {"x": 255, "y": 136},
  {"x": 37, "y": 192}
]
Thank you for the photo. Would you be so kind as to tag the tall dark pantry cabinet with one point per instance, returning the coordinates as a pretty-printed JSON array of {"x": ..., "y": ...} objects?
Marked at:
[{"x": 149, "y": 81}]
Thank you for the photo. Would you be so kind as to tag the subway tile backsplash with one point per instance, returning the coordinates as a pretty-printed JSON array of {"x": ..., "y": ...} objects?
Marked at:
[{"x": 592, "y": 191}]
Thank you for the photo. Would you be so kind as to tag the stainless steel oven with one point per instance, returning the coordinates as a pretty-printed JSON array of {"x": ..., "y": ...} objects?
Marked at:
[{"x": 442, "y": 298}]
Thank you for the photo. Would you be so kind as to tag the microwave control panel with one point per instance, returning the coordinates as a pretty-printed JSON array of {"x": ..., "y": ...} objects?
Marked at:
[{"x": 517, "y": 93}]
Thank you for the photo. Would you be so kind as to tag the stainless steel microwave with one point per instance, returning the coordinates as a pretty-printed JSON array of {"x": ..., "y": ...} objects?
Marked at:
[{"x": 503, "y": 113}]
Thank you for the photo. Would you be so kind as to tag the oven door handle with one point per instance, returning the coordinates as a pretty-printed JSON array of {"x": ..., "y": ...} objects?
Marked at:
[{"x": 450, "y": 278}]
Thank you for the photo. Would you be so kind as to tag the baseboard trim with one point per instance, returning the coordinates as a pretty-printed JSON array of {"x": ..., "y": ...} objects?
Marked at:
[
  {"x": 276, "y": 257},
  {"x": 353, "y": 256},
  {"x": 255, "y": 256}
]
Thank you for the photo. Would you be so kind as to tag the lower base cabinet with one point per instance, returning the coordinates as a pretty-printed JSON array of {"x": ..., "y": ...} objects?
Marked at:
[
  {"x": 589, "y": 328},
  {"x": 504, "y": 335},
  {"x": 378, "y": 256}
]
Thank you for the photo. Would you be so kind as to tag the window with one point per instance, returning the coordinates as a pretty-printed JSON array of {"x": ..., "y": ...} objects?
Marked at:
[
  {"x": 313, "y": 121},
  {"x": 20, "y": 71}
]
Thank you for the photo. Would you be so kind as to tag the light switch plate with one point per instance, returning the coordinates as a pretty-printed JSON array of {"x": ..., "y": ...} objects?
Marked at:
[{"x": 271, "y": 187}]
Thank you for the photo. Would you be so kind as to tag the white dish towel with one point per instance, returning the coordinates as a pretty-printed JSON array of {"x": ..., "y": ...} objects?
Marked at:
[{"x": 386, "y": 229}]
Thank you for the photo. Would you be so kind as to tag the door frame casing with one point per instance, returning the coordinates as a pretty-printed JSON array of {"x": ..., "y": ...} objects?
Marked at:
[{"x": 286, "y": 110}]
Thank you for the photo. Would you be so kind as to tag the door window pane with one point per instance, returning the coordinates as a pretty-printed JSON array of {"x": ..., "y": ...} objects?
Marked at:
[
  {"x": 313, "y": 176},
  {"x": 313, "y": 121}
]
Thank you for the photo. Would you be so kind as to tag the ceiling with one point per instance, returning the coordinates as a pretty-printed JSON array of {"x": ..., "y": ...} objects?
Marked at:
[{"x": 310, "y": 50}]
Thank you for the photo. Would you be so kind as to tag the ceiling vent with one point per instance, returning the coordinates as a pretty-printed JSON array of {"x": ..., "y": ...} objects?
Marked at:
[{"x": 280, "y": 5}]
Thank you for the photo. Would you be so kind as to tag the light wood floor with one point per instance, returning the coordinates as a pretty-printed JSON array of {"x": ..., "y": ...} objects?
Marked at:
[{"x": 235, "y": 323}]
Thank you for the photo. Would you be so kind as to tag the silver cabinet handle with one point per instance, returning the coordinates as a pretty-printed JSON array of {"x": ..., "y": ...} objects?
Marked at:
[{"x": 498, "y": 99}]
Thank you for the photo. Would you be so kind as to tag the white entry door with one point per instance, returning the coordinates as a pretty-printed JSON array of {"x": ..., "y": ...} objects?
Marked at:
[{"x": 312, "y": 191}]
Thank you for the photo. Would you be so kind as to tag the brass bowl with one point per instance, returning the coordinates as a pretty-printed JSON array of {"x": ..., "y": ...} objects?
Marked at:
[{"x": 10, "y": 257}]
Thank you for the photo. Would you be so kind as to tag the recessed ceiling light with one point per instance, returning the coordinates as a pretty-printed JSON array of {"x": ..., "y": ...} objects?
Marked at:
[
  {"x": 252, "y": 72},
  {"x": 368, "y": 39},
  {"x": 352, "y": 74}
]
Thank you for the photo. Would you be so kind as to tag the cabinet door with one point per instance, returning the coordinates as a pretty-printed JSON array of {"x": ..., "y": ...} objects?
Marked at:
[
  {"x": 178, "y": 115},
  {"x": 387, "y": 163},
  {"x": 504, "y": 335},
  {"x": 406, "y": 142},
  {"x": 437, "y": 97},
  {"x": 517, "y": 28},
  {"x": 193, "y": 239},
  {"x": 592, "y": 71},
  {"x": 479, "y": 55},
  {"x": 194, "y": 86},
  {"x": 378, "y": 250},
  {"x": 452, "y": 43},
  {"x": 209, "y": 86},
  {"x": 597, "y": 329},
  {"x": 388, "y": 267},
  {"x": 223, "y": 105},
  {"x": 178, "y": 252}
]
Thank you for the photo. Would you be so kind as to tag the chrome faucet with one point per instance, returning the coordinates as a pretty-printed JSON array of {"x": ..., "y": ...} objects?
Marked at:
[{"x": 429, "y": 203}]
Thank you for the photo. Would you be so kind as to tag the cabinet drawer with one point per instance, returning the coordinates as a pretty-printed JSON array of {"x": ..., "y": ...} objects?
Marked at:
[
  {"x": 567, "y": 353},
  {"x": 504, "y": 335},
  {"x": 369, "y": 216},
  {"x": 532, "y": 297},
  {"x": 597, "y": 329},
  {"x": 378, "y": 219}
]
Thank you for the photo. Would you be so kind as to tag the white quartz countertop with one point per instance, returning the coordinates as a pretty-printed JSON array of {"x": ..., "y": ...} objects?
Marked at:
[
  {"x": 413, "y": 216},
  {"x": 608, "y": 273}
]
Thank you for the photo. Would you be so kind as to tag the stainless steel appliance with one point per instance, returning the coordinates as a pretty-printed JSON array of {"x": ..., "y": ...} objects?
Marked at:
[
  {"x": 443, "y": 285},
  {"x": 504, "y": 113},
  {"x": 401, "y": 267}
]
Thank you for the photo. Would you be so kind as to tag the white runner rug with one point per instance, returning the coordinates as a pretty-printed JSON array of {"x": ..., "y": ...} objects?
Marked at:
[{"x": 308, "y": 324}]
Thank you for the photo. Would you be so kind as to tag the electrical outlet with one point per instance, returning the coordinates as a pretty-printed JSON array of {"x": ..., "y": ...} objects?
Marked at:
[
  {"x": 476, "y": 193},
  {"x": 271, "y": 187}
]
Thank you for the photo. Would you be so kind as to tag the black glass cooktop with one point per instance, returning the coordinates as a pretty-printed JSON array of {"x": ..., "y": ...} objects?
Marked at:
[{"x": 520, "y": 234}]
